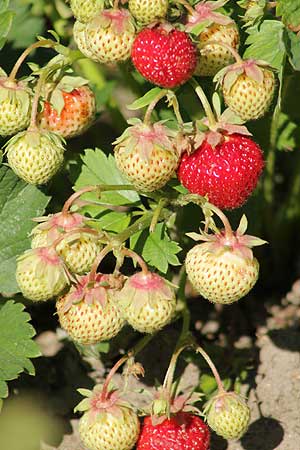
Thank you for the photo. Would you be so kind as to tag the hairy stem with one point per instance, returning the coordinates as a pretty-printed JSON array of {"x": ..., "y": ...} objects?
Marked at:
[
  {"x": 234, "y": 53},
  {"x": 135, "y": 257},
  {"x": 21, "y": 59},
  {"x": 107, "y": 249},
  {"x": 205, "y": 103},
  {"x": 150, "y": 109},
  {"x": 35, "y": 103},
  {"x": 157, "y": 212},
  {"x": 187, "y": 6},
  {"x": 213, "y": 369}
]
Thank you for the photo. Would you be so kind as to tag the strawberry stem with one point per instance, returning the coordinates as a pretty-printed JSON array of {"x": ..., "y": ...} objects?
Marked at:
[
  {"x": 168, "y": 381},
  {"x": 224, "y": 219},
  {"x": 150, "y": 109},
  {"x": 137, "y": 258},
  {"x": 176, "y": 109},
  {"x": 35, "y": 103},
  {"x": 21, "y": 59},
  {"x": 72, "y": 232},
  {"x": 213, "y": 369},
  {"x": 205, "y": 103},
  {"x": 107, "y": 249},
  {"x": 234, "y": 53},
  {"x": 187, "y": 6},
  {"x": 157, "y": 212},
  {"x": 116, "y": 4}
]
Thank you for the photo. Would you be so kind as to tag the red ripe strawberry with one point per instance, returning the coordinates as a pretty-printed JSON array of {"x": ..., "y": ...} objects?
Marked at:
[
  {"x": 182, "y": 431},
  {"x": 164, "y": 56},
  {"x": 73, "y": 115},
  {"x": 227, "y": 172}
]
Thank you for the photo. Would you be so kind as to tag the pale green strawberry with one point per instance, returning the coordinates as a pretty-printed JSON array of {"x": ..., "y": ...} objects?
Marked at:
[
  {"x": 35, "y": 156},
  {"x": 147, "y": 302},
  {"x": 15, "y": 107},
  {"x": 228, "y": 415},
  {"x": 41, "y": 274},
  {"x": 223, "y": 268},
  {"x": 248, "y": 88},
  {"x": 148, "y": 11},
  {"x": 147, "y": 155},
  {"x": 209, "y": 25},
  {"x": 78, "y": 250},
  {"x": 81, "y": 41},
  {"x": 86, "y": 10},
  {"x": 110, "y": 36},
  {"x": 108, "y": 422},
  {"x": 87, "y": 312}
]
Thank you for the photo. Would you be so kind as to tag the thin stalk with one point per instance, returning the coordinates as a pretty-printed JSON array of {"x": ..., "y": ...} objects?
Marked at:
[
  {"x": 135, "y": 257},
  {"x": 234, "y": 53},
  {"x": 213, "y": 369},
  {"x": 150, "y": 109},
  {"x": 107, "y": 249},
  {"x": 168, "y": 381},
  {"x": 157, "y": 212},
  {"x": 21, "y": 59},
  {"x": 35, "y": 103},
  {"x": 112, "y": 372},
  {"x": 177, "y": 112},
  {"x": 187, "y": 6},
  {"x": 205, "y": 103},
  {"x": 75, "y": 196},
  {"x": 224, "y": 219},
  {"x": 116, "y": 4}
]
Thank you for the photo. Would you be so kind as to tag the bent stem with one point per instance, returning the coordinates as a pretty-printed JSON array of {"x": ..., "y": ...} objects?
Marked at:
[
  {"x": 186, "y": 4},
  {"x": 213, "y": 369},
  {"x": 35, "y": 103},
  {"x": 234, "y": 53},
  {"x": 168, "y": 381},
  {"x": 205, "y": 103},
  {"x": 116, "y": 4},
  {"x": 107, "y": 249},
  {"x": 150, "y": 109},
  {"x": 21, "y": 59},
  {"x": 137, "y": 258}
]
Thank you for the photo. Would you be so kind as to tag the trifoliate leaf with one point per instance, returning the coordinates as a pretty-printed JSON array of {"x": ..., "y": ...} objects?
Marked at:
[
  {"x": 157, "y": 248},
  {"x": 16, "y": 344},
  {"x": 19, "y": 203},
  {"x": 267, "y": 43}
]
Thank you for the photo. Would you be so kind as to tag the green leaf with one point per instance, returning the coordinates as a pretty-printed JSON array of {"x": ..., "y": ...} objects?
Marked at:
[
  {"x": 4, "y": 4},
  {"x": 97, "y": 169},
  {"x": 293, "y": 49},
  {"x": 16, "y": 344},
  {"x": 156, "y": 248},
  {"x": 26, "y": 26},
  {"x": 267, "y": 43},
  {"x": 19, "y": 203},
  {"x": 6, "y": 19},
  {"x": 207, "y": 384},
  {"x": 113, "y": 221},
  {"x": 146, "y": 99},
  {"x": 289, "y": 10}
]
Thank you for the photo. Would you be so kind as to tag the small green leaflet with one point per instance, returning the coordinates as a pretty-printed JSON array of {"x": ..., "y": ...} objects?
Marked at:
[
  {"x": 289, "y": 10},
  {"x": 97, "y": 169},
  {"x": 146, "y": 99},
  {"x": 267, "y": 43},
  {"x": 19, "y": 203},
  {"x": 293, "y": 49},
  {"x": 156, "y": 248},
  {"x": 16, "y": 344},
  {"x": 6, "y": 19}
]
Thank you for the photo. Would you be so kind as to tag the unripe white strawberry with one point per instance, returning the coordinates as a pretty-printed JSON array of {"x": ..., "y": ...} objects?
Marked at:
[
  {"x": 212, "y": 26},
  {"x": 147, "y": 155},
  {"x": 147, "y": 302},
  {"x": 78, "y": 250},
  {"x": 35, "y": 156},
  {"x": 86, "y": 10},
  {"x": 41, "y": 274},
  {"x": 228, "y": 415},
  {"x": 148, "y": 11},
  {"x": 87, "y": 312},
  {"x": 248, "y": 88},
  {"x": 223, "y": 269},
  {"x": 81, "y": 40},
  {"x": 15, "y": 107},
  {"x": 108, "y": 422},
  {"x": 110, "y": 35}
]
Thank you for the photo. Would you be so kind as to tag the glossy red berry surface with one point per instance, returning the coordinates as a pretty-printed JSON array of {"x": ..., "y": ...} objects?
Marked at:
[
  {"x": 227, "y": 174},
  {"x": 183, "y": 432},
  {"x": 166, "y": 58}
]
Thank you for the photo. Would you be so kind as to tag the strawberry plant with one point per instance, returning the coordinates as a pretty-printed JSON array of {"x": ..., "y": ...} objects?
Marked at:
[{"x": 133, "y": 129}]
